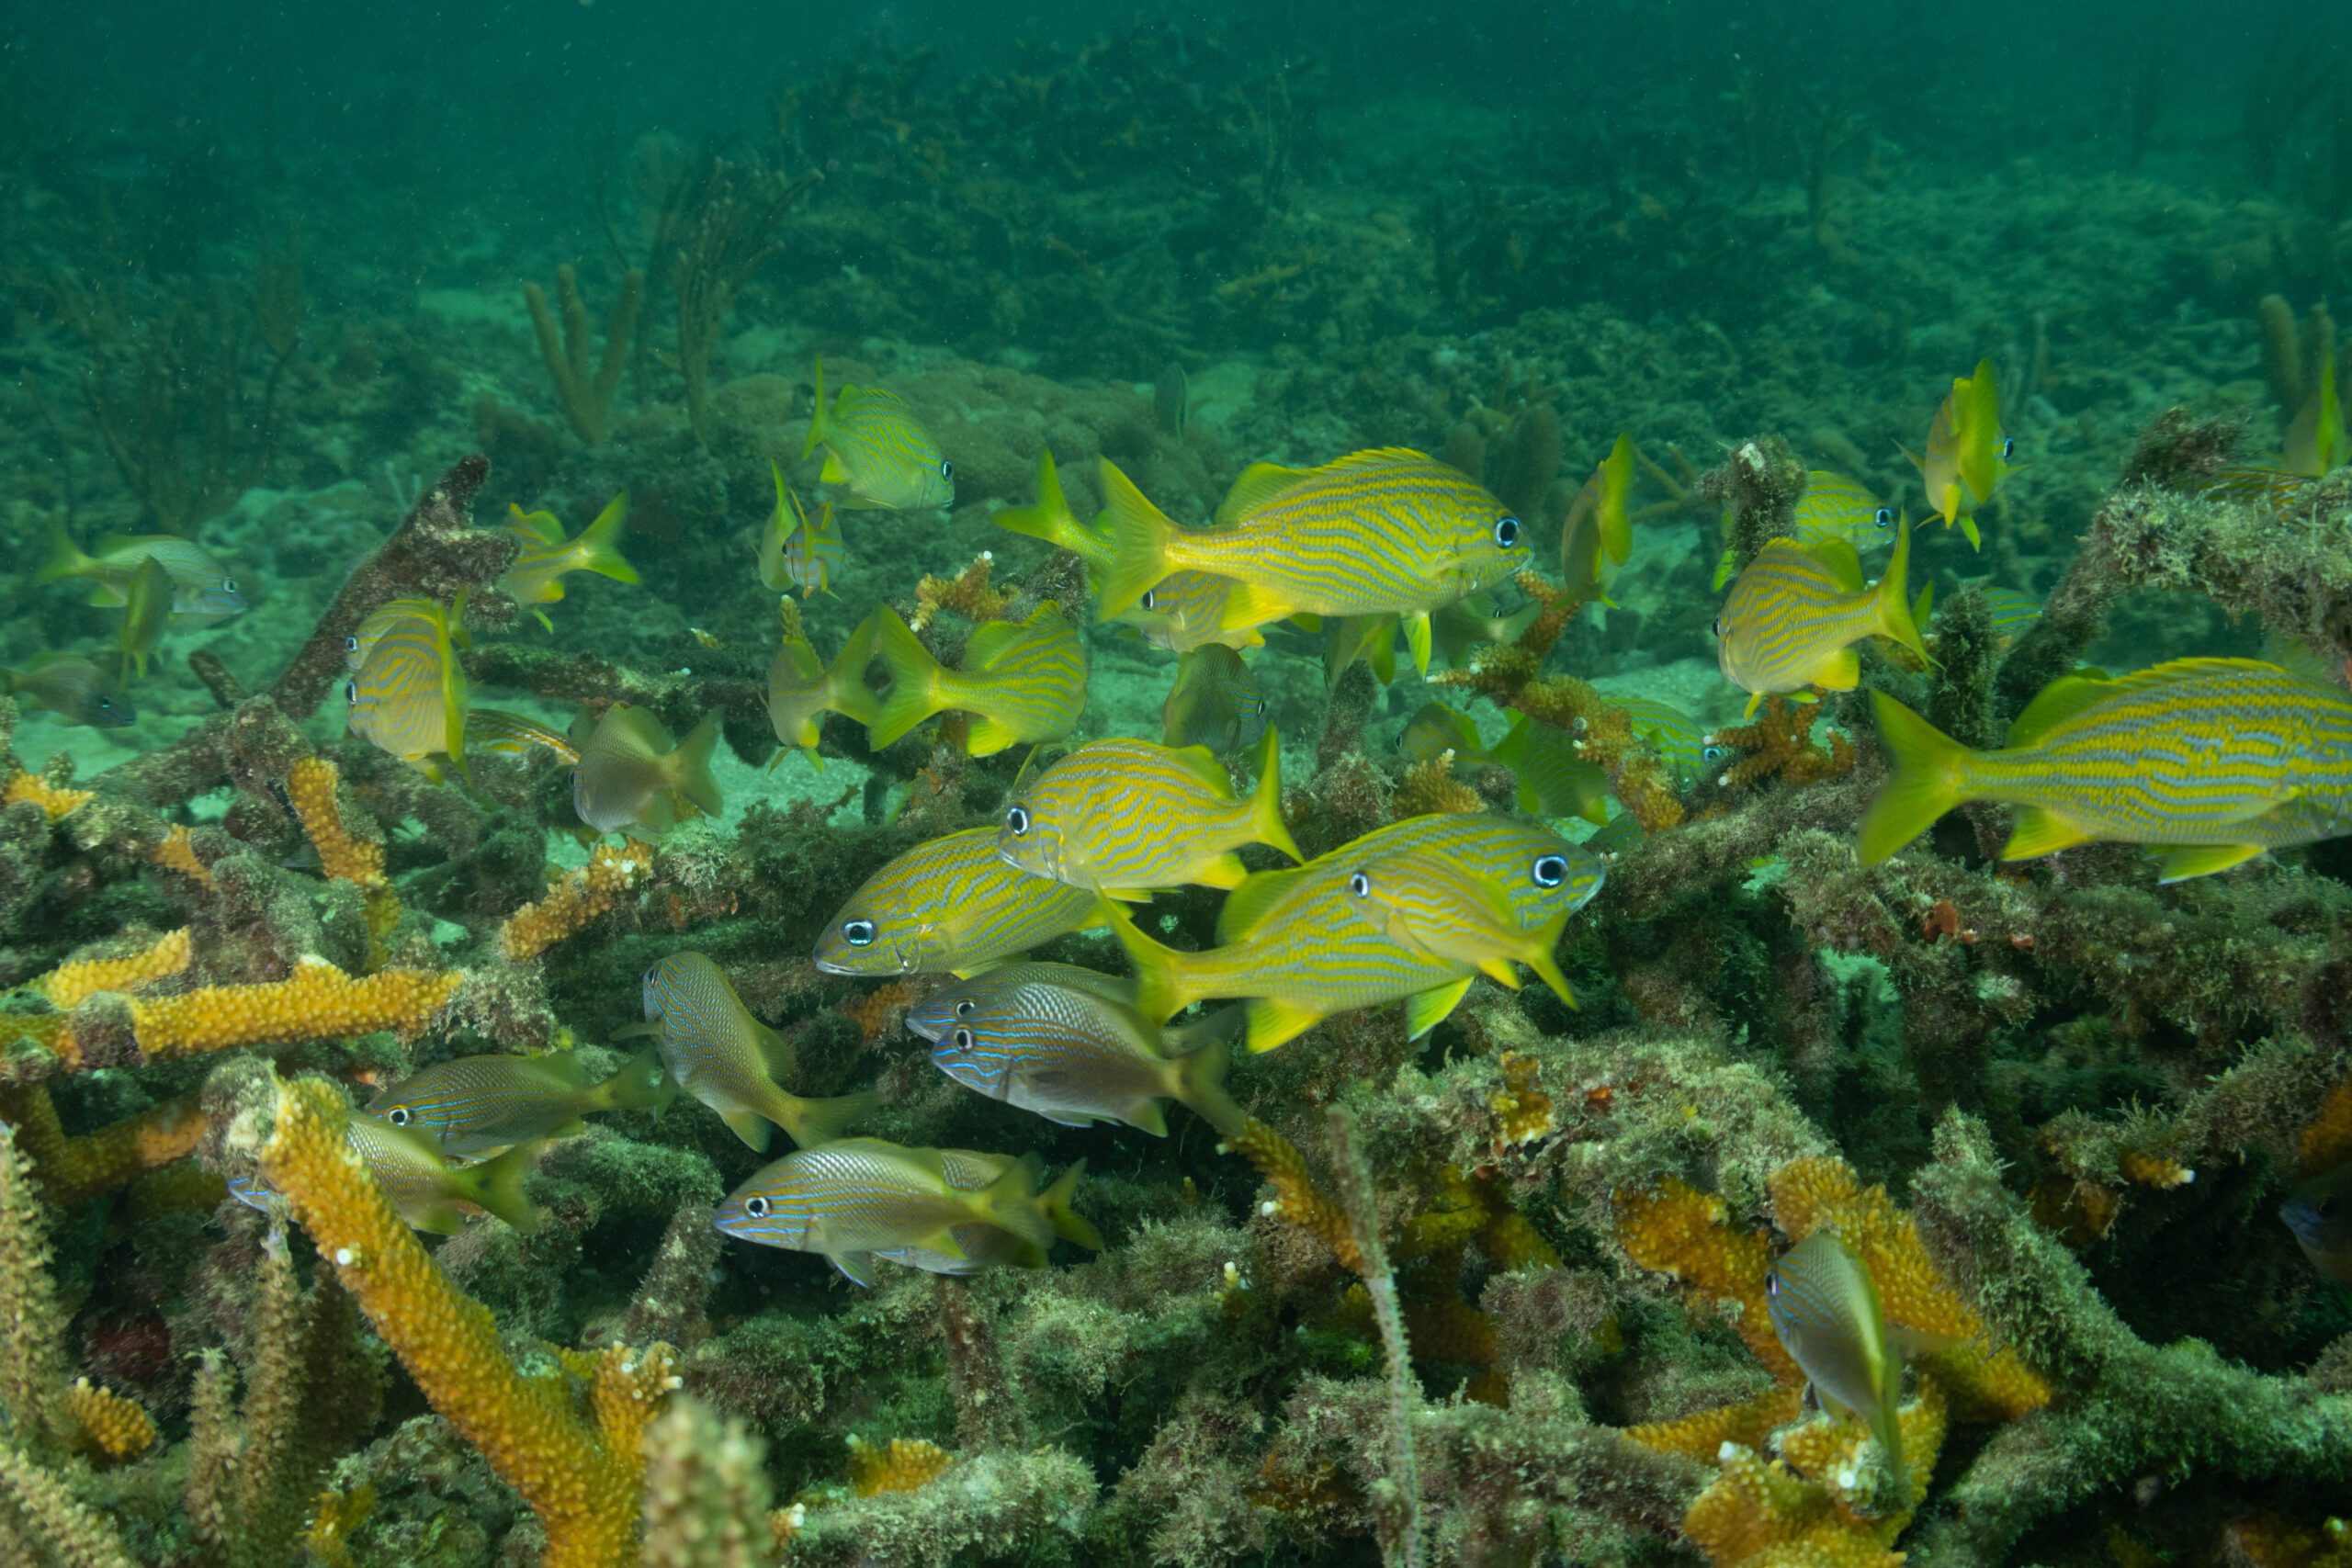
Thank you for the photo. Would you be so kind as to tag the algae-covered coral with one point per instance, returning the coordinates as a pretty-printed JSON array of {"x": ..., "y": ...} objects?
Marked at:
[{"x": 522, "y": 1047}]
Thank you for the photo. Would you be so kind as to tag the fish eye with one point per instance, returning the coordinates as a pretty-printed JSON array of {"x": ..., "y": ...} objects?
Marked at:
[
  {"x": 1018, "y": 820},
  {"x": 397, "y": 1115},
  {"x": 1719, "y": 625},
  {"x": 963, "y": 1040},
  {"x": 351, "y": 645},
  {"x": 1772, "y": 1282},
  {"x": 351, "y": 690},
  {"x": 2008, "y": 447},
  {"x": 965, "y": 1008},
  {"x": 946, "y": 470},
  {"x": 1883, "y": 517},
  {"x": 756, "y": 1207},
  {"x": 858, "y": 933},
  {"x": 228, "y": 584},
  {"x": 1507, "y": 532},
  {"x": 104, "y": 704},
  {"x": 1550, "y": 870},
  {"x": 1711, "y": 754},
  {"x": 1360, "y": 884},
  {"x": 1150, "y": 597}
]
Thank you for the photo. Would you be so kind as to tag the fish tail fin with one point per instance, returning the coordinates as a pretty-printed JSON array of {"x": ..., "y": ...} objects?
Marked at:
[
  {"x": 1140, "y": 535},
  {"x": 1894, "y": 620},
  {"x": 1162, "y": 988},
  {"x": 1050, "y": 518},
  {"x": 1199, "y": 1077},
  {"x": 600, "y": 542},
  {"x": 1011, "y": 1202},
  {"x": 914, "y": 680},
  {"x": 66, "y": 558},
  {"x": 496, "y": 1186},
  {"x": 814, "y": 1122},
  {"x": 643, "y": 1083},
  {"x": 1266, "y": 800},
  {"x": 819, "y": 426},
  {"x": 1931, "y": 777},
  {"x": 1055, "y": 1201},
  {"x": 690, "y": 773}
]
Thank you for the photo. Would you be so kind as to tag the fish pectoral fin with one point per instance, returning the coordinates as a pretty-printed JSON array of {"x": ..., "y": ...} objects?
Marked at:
[
  {"x": 1248, "y": 606},
  {"x": 2039, "y": 833},
  {"x": 1968, "y": 530},
  {"x": 857, "y": 1267},
  {"x": 1147, "y": 1116},
  {"x": 1274, "y": 1020},
  {"x": 751, "y": 1126},
  {"x": 1424, "y": 1010},
  {"x": 1132, "y": 895},
  {"x": 2202, "y": 860},
  {"x": 1225, "y": 871}
]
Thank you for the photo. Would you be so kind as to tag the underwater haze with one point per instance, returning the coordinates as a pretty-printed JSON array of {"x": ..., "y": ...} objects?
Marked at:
[{"x": 932, "y": 785}]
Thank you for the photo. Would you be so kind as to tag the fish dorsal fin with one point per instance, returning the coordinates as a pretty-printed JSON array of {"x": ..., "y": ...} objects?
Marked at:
[
  {"x": 1259, "y": 483},
  {"x": 1247, "y": 905},
  {"x": 539, "y": 528},
  {"x": 1838, "y": 558},
  {"x": 2059, "y": 701},
  {"x": 1202, "y": 763}
]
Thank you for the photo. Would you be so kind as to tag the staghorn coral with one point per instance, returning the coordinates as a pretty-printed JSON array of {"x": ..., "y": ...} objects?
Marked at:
[
  {"x": 705, "y": 1491},
  {"x": 317, "y": 1001},
  {"x": 73, "y": 1169},
  {"x": 68, "y": 986},
  {"x": 967, "y": 593},
  {"x": 56, "y": 802},
  {"x": 1779, "y": 746},
  {"x": 112, "y": 1427},
  {"x": 580, "y": 896},
  {"x": 903, "y": 1464}
]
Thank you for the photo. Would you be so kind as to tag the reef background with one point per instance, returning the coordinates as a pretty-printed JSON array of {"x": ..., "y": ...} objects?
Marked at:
[{"x": 261, "y": 281}]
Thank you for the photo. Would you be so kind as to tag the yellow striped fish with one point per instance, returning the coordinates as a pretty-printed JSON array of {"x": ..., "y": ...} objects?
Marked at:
[
  {"x": 476, "y": 1104},
  {"x": 1793, "y": 615},
  {"x": 2013, "y": 612},
  {"x": 1597, "y": 536},
  {"x": 434, "y": 1195},
  {"x": 950, "y": 905},
  {"x": 941, "y": 1010},
  {"x": 859, "y": 1198},
  {"x": 1371, "y": 639},
  {"x": 1551, "y": 779},
  {"x": 802, "y": 691},
  {"x": 796, "y": 552},
  {"x": 1077, "y": 1056},
  {"x": 1390, "y": 531},
  {"x": 632, "y": 777},
  {"x": 1020, "y": 680},
  {"x": 407, "y": 693},
  {"x": 536, "y": 576},
  {"x": 1835, "y": 507},
  {"x": 1677, "y": 736},
  {"x": 991, "y": 1246},
  {"x": 2320, "y": 1214},
  {"x": 1412, "y": 911},
  {"x": 515, "y": 735},
  {"x": 202, "y": 589},
  {"x": 1967, "y": 454},
  {"x": 1215, "y": 702},
  {"x": 2212, "y": 761},
  {"x": 1826, "y": 1311},
  {"x": 875, "y": 446},
  {"x": 1126, "y": 818},
  {"x": 1050, "y": 519},
  {"x": 718, "y": 1052}
]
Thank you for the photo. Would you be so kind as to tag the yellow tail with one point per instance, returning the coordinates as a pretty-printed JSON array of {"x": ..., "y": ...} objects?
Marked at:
[
  {"x": 496, "y": 1186},
  {"x": 1162, "y": 988},
  {"x": 1200, "y": 1071},
  {"x": 814, "y": 1122},
  {"x": 914, "y": 680},
  {"x": 690, "y": 766},
  {"x": 1050, "y": 519},
  {"x": 1931, "y": 777},
  {"x": 599, "y": 543},
  {"x": 1894, "y": 621},
  {"x": 66, "y": 558},
  {"x": 1140, "y": 535},
  {"x": 1266, "y": 800},
  {"x": 1068, "y": 1222}
]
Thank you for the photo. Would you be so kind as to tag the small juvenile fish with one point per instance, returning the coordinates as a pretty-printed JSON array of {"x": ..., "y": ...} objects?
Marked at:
[
  {"x": 858, "y": 1197},
  {"x": 147, "y": 610},
  {"x": 1020, "y": 680},
  {"x": 950, "y": 905},
  {"x": 476, "y": 1104},
  {"x": 718, "y": 1052},
  {"x": 2211, "y": 760},
  {"x": 433, "y": 1194},
  {"x": 1794, "y": 615},
  {"x": 1597, "y": 536},
  {"x": 73, "y": 688},
  {"x": 1411, "y": 912},
  {"x": 515, "y": 735},
  {"x": 1126, "y": 818},
  {"x": 2320, "y": 1214},
  {"x": 407, "y": 693},
  {"x": 796, "y": 552},
  {"x": 536, "y": 576},
  {"x": 1215, "y": 702},
  {"x": 1551, "y": 780},
  {"x": 875, "y": 446},
  {"x": 631, "y": 777},
  {"x": 802, "y": 691},
  {"x": 937, "y": 1014},
  {"x": 1967, "y": 454},
  {"x": 1826, "y": 1311},
  {"x": 1391, "y": 531},
  {"x": 1835, "y": 507},
  {"x": 1076, "y": 1056},
  {"x": 202, "y": 589}
]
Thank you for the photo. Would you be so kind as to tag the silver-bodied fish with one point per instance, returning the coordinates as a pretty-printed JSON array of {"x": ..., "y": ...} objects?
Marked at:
[
  {"x": 632, "y": 778},
  {"x": 1825, "y": 1311},
  {"x": 987, "y": 1247},
  {"x": 856, "y": 1198},
  {"x": 1128, "y": 817},
  {"x": 433, "y": 1194},
  {"x": 202, "y": 589},
  {"x": 1020, "y": 680},
  {"x": 73, "y": 688},
  {"x": 407, "y": 693},
  {"x": 1074, "y": 1055},
  {"x": 730, "y": 1061},
  {"x": 476, "y": 1104},
  {"x": 875, "y": 446},
  {"x": 146, "y": 610},
  {"x": 950, "y": 905},
  {"x": 2211, "y": 760},
  {"x": 937, "y": 1014},
  {"x": 1794, "y": 616},
  {"x": 1386, "y": 531},
  {"x": 1215, "y": 702}
]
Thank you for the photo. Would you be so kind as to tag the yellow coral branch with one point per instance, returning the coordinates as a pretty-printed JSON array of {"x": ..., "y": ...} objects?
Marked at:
[
  {"x": 178, "y": 853},
  {"x": 585, "y": 894},
  {"x": 113, "y": 1427},
  {"x": 317, "y": 1001},
  {"x": 1680, "y": 1231},
  {"x": 1295, "y": 1199},
  {"x": 57, "y": 803},
  {"x": 310, "y": 785},
  {"x": 73, "y": 1171},
  {"x": 581, "y": 1479},
  {"x": 70, "y": 984}
]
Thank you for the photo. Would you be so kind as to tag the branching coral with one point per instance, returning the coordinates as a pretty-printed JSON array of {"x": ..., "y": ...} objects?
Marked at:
[
  {"x": 73, "y": 1169},
  {"x": 585, "y": 894},
  {"x": 967, "y": 593},
  {"x": 70, "y": 984},
  {"x": 318, "y": 1002},
  {"x": 1780, "y": 745},
  {"x": 56, "y": 802}
]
